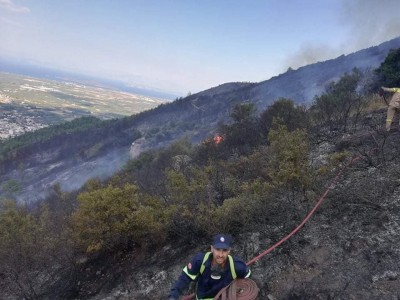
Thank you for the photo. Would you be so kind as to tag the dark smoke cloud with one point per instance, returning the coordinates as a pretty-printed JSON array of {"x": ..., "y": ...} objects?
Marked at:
[{"x": 368, "y": 23}]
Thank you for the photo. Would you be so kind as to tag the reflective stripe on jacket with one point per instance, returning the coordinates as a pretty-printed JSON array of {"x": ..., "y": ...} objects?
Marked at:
[{"x": 199, "y": 270}]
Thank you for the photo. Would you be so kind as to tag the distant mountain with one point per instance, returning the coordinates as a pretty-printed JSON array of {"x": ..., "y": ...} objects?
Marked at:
[{"x": 196, "y": 116}]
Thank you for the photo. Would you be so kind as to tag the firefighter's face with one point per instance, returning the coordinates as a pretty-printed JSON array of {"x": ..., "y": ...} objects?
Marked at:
[{"x": 220, "y": 255}]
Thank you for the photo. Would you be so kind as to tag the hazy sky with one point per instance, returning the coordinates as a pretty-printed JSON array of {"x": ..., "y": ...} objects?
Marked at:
[{"x": 183, "y": 46}]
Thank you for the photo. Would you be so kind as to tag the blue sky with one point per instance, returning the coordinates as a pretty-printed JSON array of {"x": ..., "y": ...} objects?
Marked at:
[{"x": 182, "y": 46}]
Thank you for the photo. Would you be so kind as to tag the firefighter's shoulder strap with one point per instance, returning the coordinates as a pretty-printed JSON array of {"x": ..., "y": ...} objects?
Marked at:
[{"x": 231, "y": 264}]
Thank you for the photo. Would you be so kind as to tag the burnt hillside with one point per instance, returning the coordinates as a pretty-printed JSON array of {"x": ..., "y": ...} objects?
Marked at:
[
  {"x": 348, "y": 249},
  {"x": 196, "y": 117}
]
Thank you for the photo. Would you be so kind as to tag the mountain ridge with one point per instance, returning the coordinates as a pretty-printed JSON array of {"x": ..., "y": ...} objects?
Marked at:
[
  {"x": 311, "y": 80},
  {"x": 196, "y": 116}
]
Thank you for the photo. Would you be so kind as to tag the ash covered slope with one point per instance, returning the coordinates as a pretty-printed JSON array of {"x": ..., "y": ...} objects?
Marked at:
[
  {"x": 304, "y": 83},
  {"x": 214, "y": 105},
  {"x": 201, "y": 112}
]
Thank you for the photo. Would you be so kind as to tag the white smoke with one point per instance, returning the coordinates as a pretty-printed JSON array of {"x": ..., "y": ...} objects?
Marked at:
[
  {"x": 73, "y": 177},
  {"x": 369, "y": 23}
]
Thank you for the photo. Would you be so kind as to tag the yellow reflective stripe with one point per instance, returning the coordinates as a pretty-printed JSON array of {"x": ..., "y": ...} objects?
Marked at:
[
  {"x": 388, "y": 120},
  {"x": 396, "y": 90},
  {"x": 206, "y": 256},
  {"x": 202, "y": 267},
  {"x": 193, "y": 277},
  {"x": 232, "y": 264}
]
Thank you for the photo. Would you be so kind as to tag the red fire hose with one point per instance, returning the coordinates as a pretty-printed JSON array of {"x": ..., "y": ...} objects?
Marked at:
[{"x": 318, "y": 204}]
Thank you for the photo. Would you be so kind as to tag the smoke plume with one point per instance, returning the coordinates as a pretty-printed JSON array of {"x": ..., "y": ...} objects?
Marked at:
[{"x": 368, "y": 23}]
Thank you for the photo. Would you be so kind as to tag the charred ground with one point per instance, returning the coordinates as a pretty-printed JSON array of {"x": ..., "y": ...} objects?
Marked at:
[{"x": 348, "y": 250}]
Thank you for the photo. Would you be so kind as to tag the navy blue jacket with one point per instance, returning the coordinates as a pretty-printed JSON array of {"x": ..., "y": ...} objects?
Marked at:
[{"x": 207, "y": 287}]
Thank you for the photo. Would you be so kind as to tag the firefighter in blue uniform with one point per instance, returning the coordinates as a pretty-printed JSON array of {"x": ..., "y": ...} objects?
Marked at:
[{"x": 212, "y": 271}]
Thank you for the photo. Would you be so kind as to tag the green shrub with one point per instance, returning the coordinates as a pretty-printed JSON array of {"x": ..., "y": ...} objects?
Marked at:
[
  {"x": 235, "y": 214},
  {"x": 114, "y": 217},
  {"x": 289, "y": 159},
  {"x": 31, "y": 255}
]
